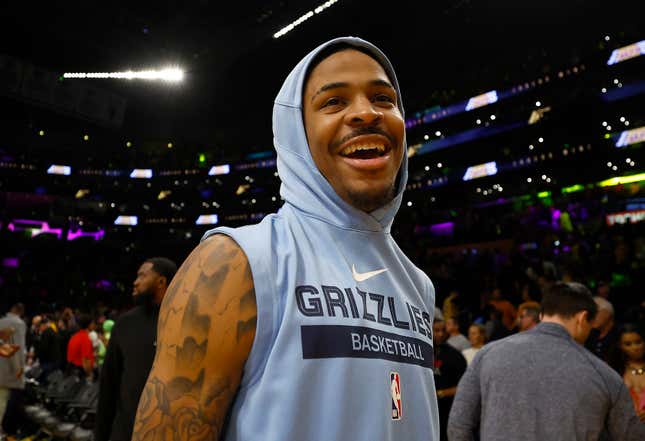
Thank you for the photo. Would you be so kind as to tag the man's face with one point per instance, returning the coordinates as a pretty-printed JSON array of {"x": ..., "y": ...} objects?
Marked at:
[
  {"x": 438, "y": 332},
  {"x": 354, "y": 128},
  {"x": 602, "y": 318},
  {"x": 452, "y": 326},
  {"x": 146, "y": 281}
]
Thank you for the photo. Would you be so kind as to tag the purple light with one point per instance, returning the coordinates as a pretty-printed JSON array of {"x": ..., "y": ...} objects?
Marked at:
[
  {"x": 443, "y": 229},
  {"x": 555, "y": 219},
  {"x": 104, "y": 285},
  {"x": 39, "y": 227},
  {"x": 10, "y": 262},
  {"x": 75, "y": 234}
]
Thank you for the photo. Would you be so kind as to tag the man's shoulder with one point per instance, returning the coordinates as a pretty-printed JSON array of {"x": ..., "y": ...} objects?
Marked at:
[
  {"x": 128, "y": 319},
  {"x": 510, "y": 343},
  {"x": 600, "y": 366}
]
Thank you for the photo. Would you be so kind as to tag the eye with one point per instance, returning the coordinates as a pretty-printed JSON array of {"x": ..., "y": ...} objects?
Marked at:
[
  {"x": 383, "y": 98},
  {"x": 334, "y": 101}
]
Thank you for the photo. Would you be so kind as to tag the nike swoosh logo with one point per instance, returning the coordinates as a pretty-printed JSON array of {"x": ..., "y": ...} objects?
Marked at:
[{"x": 361, "y": 277}]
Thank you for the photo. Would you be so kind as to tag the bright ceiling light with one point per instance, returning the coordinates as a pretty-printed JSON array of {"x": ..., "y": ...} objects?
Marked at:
[
  {"x": 59, "y": 170},
  {"x": 170, "y": 74},
  {"x": 306, "y": 16}
]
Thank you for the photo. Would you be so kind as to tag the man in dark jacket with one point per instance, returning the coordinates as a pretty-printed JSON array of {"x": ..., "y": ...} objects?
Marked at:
[
  {"x": 130, "y": 352},
  {"x": 449, "y": 366}
]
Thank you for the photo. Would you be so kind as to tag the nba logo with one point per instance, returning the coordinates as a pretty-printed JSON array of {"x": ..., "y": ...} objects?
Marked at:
[{"x": 395, "y": 390}]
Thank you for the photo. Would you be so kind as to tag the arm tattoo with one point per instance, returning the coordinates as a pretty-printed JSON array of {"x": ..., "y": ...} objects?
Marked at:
[{"x": 206, "y": 328}]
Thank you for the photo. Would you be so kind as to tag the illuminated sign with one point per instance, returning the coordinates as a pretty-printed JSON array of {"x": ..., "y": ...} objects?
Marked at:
[
  {"x": 75, "y": 234},
  {"x": 141, "y": 173},
  {"x": 632, "y": 136},
  {"x": 482, "y": 100},
  {"x": 59, "y": 170},
  {"x": 625, "y": 217},
  {"x": 206, "y": 219},
  {"x": 621, "y": 180},
  {"x": 627, "y": 52},
  {"x": 480, "y": 171},
  {"x": 33, "y": 227},
  {"x": 219, "y": 170},
  {"x": 126, "y": 220}
]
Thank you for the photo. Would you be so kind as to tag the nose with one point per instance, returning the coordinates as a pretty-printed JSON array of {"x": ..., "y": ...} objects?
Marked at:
[{"x": 363, "y": 113}]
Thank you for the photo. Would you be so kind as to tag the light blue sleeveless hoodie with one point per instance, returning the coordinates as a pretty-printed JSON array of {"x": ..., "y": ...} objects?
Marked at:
[{"x": 333, "y": 358}]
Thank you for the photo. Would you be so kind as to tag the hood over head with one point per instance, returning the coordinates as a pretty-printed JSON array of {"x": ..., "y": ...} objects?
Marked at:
[{"x": 303, "y": 185}]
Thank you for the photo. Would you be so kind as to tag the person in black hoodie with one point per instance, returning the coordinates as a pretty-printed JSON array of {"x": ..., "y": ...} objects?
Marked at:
[
  {"x": 48, "y": 347},
  {"x": 130, "y": 353},
  {"x": 449, "y": 366}
]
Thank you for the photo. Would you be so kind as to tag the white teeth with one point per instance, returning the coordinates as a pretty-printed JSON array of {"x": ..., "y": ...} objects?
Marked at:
[{"x": 356, "y": 147}]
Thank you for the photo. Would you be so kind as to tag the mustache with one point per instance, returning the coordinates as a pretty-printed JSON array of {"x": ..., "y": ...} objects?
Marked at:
[{"x": 368, "y": 130}]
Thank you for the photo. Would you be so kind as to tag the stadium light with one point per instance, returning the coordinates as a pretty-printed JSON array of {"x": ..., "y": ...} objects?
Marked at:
[
  {"x": 206, "y": 219},
  {"x": 126, "y": 220},
  {"x": 482, "y": 100},
  {"x": 223, "y": 169},
  {"x": 141, "y": 173},
  {"x": 170, "y": 74},
  {"x": 480, "y": 171},
  {"x": 59, "y": 170},
  {"x": 629, "y": 137},
  {"x": 622, "y": 180},
  {"x": 306, "y": 16},
  {"x": 627, "y": 52}
]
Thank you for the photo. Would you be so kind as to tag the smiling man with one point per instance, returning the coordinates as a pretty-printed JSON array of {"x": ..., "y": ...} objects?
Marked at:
[{"x": 311, "y": 325}]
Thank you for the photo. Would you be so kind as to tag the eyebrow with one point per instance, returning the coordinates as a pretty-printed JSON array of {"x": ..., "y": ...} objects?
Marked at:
[{"x": 341, "y": 85}]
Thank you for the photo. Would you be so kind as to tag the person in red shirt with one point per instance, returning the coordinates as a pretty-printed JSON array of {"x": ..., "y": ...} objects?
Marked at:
[{"x": 80, "y": 353}]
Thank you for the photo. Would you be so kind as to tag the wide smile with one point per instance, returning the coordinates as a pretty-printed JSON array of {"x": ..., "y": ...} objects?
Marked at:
[{"x": 366, "y": 152}]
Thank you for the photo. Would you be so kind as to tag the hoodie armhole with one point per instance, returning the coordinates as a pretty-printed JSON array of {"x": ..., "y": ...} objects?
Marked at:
[{"x": 265, "y": 298}]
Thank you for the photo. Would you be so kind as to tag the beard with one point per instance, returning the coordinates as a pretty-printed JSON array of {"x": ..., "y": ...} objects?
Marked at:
[
  {"x": 371, "y": 201},
  {"x": 145, "y": 299}
]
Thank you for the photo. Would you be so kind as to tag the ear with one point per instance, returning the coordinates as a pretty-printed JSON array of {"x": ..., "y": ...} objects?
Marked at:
[
  {"x": 582, "y": 317},
  {"x": 164, "y": 280}
]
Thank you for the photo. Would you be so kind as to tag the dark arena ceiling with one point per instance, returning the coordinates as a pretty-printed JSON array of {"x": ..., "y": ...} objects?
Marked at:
[
  {"x": 444, "y": 51},
  {"x": 514, "y": 115}
]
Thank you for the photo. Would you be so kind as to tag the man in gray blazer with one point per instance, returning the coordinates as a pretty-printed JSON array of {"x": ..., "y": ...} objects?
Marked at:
[{"x": 543, "y": 384}]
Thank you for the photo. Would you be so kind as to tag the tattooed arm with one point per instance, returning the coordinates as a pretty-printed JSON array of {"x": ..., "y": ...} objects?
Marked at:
[{"x": 206, "y": 329}]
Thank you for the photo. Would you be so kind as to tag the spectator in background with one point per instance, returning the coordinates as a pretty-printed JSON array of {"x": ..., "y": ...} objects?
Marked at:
[
  {"x": 64, "y": 333},
  {"x": 47, "y": 347},
  {"x": 494, "y": 327},
  {"x": 12, "y": 369},
  {"x": 455, "y": 338},
  {"x": 33, "y": 331},
  {"x": 130, "y": 352},
  {"x": 107, "y": 331},
  {"x": 604, "y": 334},
  {"x": 603, "y": 290},
  {"x": 628, "y": 359},
  {"x": 451, "y": 305},
  {"x": 542, "y": 385},
  {"x": 449, "y": 366},
  {"x": 509, "y": 313},
  {"x": 80, "y": 352},
  {"x": 477, "y": 339},
  {"x": 528, "y": 316}
]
